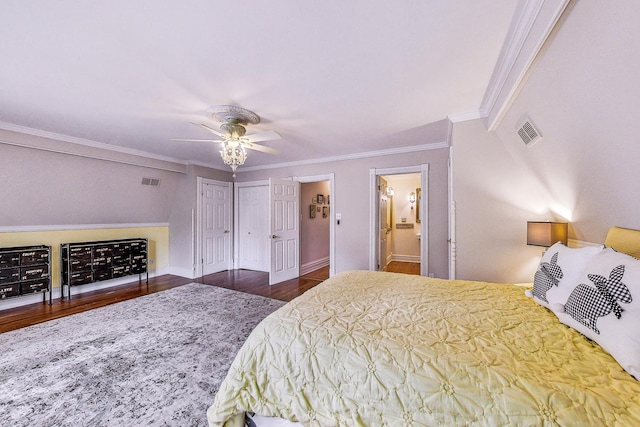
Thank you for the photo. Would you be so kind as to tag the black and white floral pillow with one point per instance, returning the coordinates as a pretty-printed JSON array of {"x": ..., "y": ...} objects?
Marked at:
[
  {"x": 558, "y": 272},
  {"x": 604, "y": 305}
]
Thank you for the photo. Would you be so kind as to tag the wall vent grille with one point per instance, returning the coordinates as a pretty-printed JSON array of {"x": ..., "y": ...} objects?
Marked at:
[
  {"x": 151, "y": 182},
  {"x": 528, "y": 133}
]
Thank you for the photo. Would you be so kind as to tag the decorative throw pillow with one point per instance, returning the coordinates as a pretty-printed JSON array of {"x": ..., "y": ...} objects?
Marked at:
[
  {"x": 558, "y": 272},
  {"x": 605, "y": 306}
]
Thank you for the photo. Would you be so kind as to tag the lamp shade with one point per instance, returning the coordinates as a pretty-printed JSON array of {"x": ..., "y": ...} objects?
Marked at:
[{"x": 546, "y": 233}]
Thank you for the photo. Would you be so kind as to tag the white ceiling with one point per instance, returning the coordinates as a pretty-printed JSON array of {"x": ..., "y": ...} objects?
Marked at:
[{"x": 332, "y": 77}]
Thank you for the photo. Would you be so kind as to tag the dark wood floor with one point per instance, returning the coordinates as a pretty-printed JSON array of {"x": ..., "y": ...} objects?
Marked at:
[
  {"x": 403, "y": 267},
  {"x": 253, "y": 282},
  {"x": 257, "y": 283}
]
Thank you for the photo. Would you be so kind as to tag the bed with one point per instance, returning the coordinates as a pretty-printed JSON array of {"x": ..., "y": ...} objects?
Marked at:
[{"x": 386, "y": 349}]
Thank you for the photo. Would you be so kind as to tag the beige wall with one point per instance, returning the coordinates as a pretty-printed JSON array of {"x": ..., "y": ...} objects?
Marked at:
[
  {"x": 42, "y": 187},
  {"x": 495, "y": 195},
  {"x": 352, "y": 198},
  {"x": 582, "y": 96}
]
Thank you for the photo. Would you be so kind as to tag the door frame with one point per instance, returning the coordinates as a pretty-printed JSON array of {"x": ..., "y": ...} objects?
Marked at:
[
  {"x": 332, "y": 212},
  {"x": 374, "y": 219},
  {"x": 452, "y": 220},
  {"x": 381, "y": 261},
  {"x": 198, "y": 226}
]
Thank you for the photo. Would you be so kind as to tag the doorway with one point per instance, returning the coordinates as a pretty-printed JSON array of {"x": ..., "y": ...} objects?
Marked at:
[
  {"x": 315, "y": 224},
  {"x": 399, "y": 219},
  {"x": 252, "y": 203},
  {"x": 327, "y": 207},
  {"x": 400, "y": 223}
]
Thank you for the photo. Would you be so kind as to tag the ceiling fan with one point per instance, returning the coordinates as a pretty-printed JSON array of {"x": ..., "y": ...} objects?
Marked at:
[{"x": 233, "y": 135}]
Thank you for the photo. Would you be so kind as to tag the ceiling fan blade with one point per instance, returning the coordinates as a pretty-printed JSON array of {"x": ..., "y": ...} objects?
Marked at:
[
  {"x": 262, "y": 148},
  {"x": 263, "y": 136},
  {"x": 196, "y": 140},
  {"x": 210, "y": 129}
]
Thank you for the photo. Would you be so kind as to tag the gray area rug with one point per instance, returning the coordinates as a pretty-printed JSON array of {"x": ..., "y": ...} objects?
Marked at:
[{"x": 157, "y": 360}]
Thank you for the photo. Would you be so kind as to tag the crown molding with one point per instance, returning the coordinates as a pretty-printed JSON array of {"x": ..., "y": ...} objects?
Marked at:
[
  {"x": 86, "y": 143},
  {"x": 516, "y": 37},
  {"x": 525, "y": 39},
  {"x": 224, "y": 168},
  {"x": 463, "y": 117},
  {"x": 363, "y": 155},
  {"x": 138, "y": 153}
]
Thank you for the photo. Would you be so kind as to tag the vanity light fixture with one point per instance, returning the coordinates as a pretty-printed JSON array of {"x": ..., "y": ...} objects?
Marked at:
[
  {"x": 390, "y": 191},
  {"x": 412, "y": 198}
]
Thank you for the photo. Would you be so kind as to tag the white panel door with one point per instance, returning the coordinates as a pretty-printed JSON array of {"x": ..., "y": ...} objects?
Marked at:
[
  {"x": 216, "y": 227},
  {"x": 253, "y": 228},
  {"x": 284, "y": 220}
]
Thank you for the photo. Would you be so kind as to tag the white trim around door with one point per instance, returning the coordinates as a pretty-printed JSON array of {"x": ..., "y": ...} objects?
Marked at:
[
  {"x": 200, "y": 226},
  {"x": 332, "y": 216},
  {"x": 374, "y": 173}
]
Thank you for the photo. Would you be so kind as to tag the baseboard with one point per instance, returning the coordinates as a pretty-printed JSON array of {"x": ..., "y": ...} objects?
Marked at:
[
  {"x": 314, "y": 265},
  {"x": 182, "y": 272},
  {"x": 405, "y": 258},
  {"x": 77, "y": 290}
]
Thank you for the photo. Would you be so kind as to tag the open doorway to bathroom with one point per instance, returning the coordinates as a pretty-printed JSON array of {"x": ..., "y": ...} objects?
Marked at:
[{"x": 399, "y": 223}]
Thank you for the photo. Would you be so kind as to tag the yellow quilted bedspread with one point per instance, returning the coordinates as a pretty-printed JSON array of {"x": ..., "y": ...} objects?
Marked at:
[{"x": 385, "y": 349}]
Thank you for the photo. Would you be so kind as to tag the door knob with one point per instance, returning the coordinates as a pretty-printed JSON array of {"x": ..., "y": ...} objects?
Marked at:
[
  {"x": 226, "y": 231},
  {"x": 273, "y": 236}
]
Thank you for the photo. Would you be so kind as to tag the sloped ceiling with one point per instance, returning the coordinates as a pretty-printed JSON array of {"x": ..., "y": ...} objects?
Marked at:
[{"x": 332, "y": 77}]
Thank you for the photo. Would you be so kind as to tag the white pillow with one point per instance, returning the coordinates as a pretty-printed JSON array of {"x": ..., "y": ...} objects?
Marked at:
[
  {"x": 558, "y": 272},
  {"x": 605, "y": 306}
]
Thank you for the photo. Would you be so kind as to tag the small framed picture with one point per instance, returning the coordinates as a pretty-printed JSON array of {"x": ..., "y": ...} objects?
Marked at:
[
  {"x": 314, "y": 200},
  {"x": 320, "y": 199},
  {"x": 312, "y": 211},
  {"x": 325, "y": 211}
]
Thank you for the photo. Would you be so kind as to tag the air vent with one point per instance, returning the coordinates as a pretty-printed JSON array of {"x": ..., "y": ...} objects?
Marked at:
[
  {"x": 528, "y": 133},
  {"x": 151, "y": 182}
]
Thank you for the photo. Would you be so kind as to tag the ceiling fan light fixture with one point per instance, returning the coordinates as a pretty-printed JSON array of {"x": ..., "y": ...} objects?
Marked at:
[
  {"x": 234, "y": 130},
  {"x": 233, "y": 136},
  {"x": 233, "y": 153}
]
